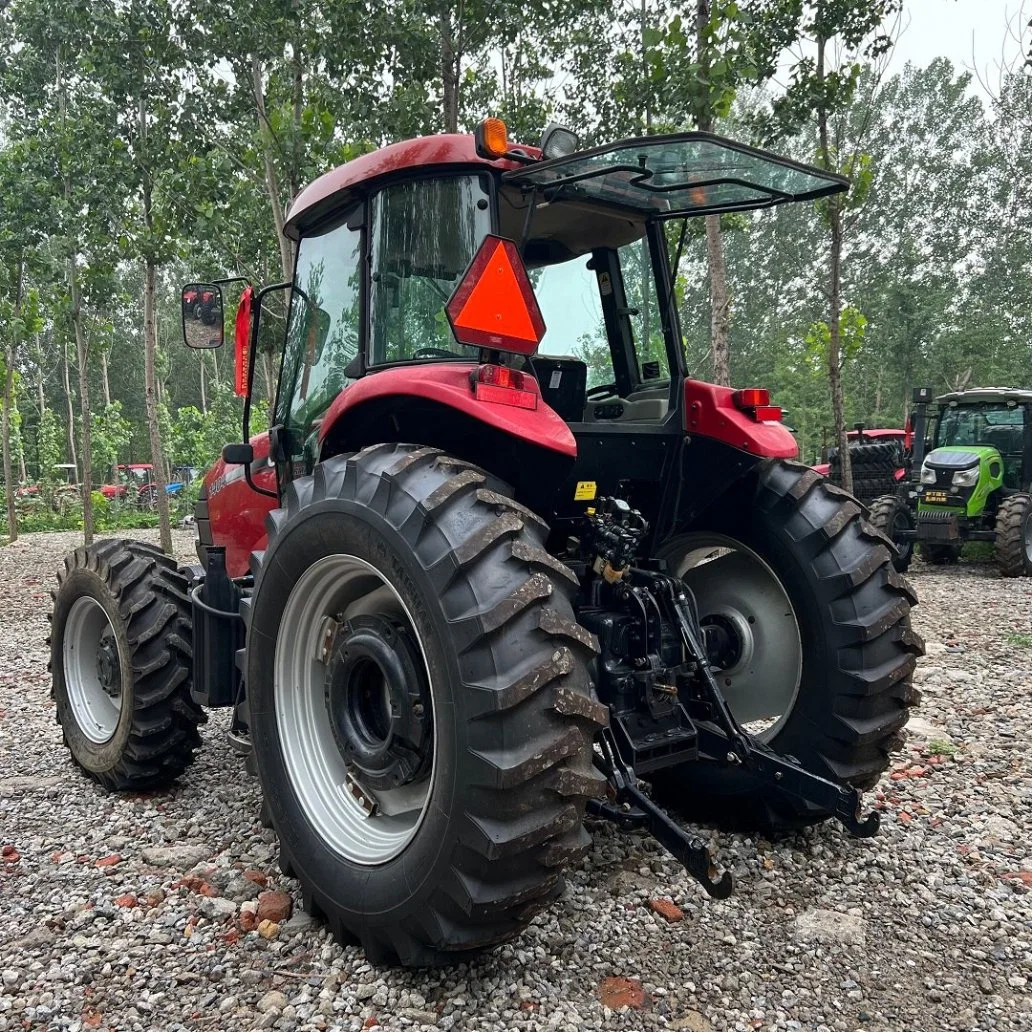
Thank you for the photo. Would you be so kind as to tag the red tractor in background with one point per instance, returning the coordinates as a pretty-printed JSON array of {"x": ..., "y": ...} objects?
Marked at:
[
  {"x": 879, "y": 459},
  {"x": 497, "y": 559}
]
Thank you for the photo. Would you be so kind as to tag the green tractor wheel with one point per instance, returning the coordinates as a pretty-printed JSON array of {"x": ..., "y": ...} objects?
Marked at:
[
  {"x": 1014, "y": 536},
  {"x": 890, "y": 515}
]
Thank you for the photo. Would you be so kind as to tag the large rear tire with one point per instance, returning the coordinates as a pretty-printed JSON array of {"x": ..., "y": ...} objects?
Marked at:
[
  {"x": 121, "y": 659},
  {"x": 1014, "y": 536},
  {"x": 798, "y": 565},
  {"x": 422, "y": 839}
]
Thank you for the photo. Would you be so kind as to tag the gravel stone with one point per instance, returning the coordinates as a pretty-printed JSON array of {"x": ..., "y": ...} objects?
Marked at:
[
  {"x": 943, "y": 894},
  {"x": 178, "y": 858},
  {"x": 830, "y": 926}
]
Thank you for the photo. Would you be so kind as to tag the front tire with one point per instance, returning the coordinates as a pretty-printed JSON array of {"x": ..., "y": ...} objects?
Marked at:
[
  {"x": 121, "y": 659},
  {"x": 797, "y": 539},
  {"x": 1014, "y": 536},
  {"x": 889, "y": 514},
  {"x": 469, "y": 839}
]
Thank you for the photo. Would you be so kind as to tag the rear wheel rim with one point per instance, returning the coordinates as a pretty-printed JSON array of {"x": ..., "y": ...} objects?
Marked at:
[
  {"x": 732, "y": 584},
  {"x": 1027, "y": 537},
  {"x": 331, "y": 795},
  {"x": 92, "y": 670}
]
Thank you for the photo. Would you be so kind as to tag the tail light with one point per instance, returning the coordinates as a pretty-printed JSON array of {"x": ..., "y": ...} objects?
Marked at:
[
  {"x": 501, "y": 385},
  {"x": 756, "y": 401}
]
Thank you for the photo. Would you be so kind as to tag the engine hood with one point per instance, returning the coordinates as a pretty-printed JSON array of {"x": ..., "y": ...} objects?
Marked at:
[{"x": 956, "y": 457}]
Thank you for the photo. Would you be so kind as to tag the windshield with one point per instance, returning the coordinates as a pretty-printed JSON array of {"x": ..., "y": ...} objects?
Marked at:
[
  {"x": 686, "y": 173},
  {"x": 998, "y": 425}
]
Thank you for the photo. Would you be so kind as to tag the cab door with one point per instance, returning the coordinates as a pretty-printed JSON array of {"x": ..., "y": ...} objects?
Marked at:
[{"x": 323, "y": 337}]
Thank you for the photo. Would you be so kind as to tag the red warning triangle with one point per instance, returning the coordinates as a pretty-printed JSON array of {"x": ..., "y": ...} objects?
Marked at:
[{"x": 494, "y": 305}]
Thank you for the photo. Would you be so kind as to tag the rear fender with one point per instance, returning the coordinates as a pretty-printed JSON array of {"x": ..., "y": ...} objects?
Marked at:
[
  {"x": 710, "y": 412},
  {"x": 531, "y": 449},
  {"x": 448, "y": 385}
]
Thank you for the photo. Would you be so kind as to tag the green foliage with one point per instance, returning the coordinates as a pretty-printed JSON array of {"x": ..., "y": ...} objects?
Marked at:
[{"x": 112, "y": 434}]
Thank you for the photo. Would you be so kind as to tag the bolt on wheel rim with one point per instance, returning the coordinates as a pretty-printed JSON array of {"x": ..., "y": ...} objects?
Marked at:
[
  {"x": 363, "y": 826},
  {"x": 92, "y": 670},
  {"x": 734, "y": 586}
]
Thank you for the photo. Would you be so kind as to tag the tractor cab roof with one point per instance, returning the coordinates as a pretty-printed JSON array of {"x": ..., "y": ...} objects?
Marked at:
[
  {"x": 987, "y": 395},
  {"x": 650, "y": 177}
]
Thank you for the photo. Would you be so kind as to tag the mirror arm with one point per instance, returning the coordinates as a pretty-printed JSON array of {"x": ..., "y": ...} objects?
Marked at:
[
  {"x": 253, "y": 349},
  {"x": 251, "y": 357}
]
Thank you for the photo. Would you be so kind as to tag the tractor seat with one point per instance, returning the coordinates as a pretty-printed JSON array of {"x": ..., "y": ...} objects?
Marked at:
[{"x": 563, "y": 382}]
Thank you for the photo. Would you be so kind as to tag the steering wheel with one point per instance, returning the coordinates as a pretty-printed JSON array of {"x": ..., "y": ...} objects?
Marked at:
[
  {"x": 601, "y": 391},
  {"x": 432, "y": 352}
]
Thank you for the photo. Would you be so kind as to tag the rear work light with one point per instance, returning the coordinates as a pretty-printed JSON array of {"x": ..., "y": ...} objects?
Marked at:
[
  {"x": 756, "y": 401},
  {"x": 501, "y": 385}
]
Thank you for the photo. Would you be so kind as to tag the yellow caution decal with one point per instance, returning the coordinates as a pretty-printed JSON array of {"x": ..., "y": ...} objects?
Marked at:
[{"x": 586, "y": 491}]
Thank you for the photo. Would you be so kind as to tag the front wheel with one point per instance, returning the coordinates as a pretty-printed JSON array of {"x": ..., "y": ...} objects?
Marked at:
[
  {"x": 891, "y": 515},
  {"x": 823, "y": 651},
  {"x": 1014, "y": 536},
  {"x": 421, "y": 707},
  {"x": 120, "y": 654}
]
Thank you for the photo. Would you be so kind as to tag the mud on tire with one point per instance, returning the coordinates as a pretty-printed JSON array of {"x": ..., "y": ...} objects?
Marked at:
[
  {"x": 515, "y": 712},
  {"x": 135, "y": 599},
  {"x": 858, "y": 648}
]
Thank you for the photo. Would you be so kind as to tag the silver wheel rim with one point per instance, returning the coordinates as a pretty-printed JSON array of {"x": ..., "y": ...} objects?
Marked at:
[
  {"x": 338, "y": 585},
  {"x": 1027, "y": 535},
  {"x": 734, "y": 585},
  {"x": 95, "y": 709}
]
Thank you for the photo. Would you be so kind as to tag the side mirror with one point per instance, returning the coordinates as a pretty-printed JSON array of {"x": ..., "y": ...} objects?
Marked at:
[
  {"x": 238, "y": 454},
  {"x": 202, "y": 316}
]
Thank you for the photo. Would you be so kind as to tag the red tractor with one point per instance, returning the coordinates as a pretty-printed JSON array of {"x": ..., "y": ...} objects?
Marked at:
[{"x": 498, "y": 563}]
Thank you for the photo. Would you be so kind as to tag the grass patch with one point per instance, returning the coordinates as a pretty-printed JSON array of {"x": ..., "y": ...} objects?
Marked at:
[
  {"x": 1024, "y": 640},
  {"x": 940, "y": 747}
]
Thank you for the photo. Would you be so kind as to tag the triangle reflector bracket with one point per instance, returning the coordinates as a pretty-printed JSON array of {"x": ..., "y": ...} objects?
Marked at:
[{"x": 494, "y": 306}]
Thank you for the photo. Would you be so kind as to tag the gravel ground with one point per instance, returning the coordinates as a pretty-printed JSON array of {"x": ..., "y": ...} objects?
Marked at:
[{"x": 129, "y": 913}]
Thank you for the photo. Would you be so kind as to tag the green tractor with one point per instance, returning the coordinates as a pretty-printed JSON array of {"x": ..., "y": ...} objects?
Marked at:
[{"x": 971, "y": 484}]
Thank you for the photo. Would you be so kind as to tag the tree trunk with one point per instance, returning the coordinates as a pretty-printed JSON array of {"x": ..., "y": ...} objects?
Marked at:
[
  {"x": 720, "y": 303},
  {"x": 272, "y": 186},
  {"x": 104, "y": 377},
  {"x": 834, "y": 292},
  {"x": 71, "y": 413},
  {"x": 9, "y": 486},
  {"x": 150, "y": 348},
  {"x": 449, "y": 73},
  {"x": 8, "y": 405},
  {"x": 82, "y": 360},
  {"x": 834, "y": 344},
  {"x": 720, "y": 300}
]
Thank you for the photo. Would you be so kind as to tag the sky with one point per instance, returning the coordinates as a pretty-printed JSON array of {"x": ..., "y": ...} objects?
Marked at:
[{"x": 973, "y": 34}]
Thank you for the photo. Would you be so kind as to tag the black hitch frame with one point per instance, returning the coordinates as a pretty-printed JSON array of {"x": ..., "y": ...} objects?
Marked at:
[{"x": 721, "y": 739}]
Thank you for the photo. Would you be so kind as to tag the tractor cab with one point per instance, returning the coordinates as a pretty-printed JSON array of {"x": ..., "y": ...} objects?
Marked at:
[{"x": 385, "y": 242}]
